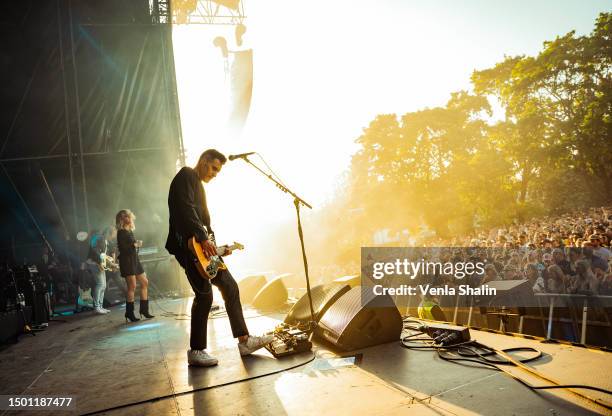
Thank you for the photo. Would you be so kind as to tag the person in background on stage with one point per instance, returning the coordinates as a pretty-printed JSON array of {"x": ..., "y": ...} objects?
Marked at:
[
  {"x": 189, "y": 217},
  {"x": 129, "y": 265},
  {"x": 112, "y": 273},
  {"x": 95, "y": 265},
  {"x": 46, "y": 266}
]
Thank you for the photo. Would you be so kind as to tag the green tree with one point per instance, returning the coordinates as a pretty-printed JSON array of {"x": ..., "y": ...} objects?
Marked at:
[{"x": 561, "y": 103}]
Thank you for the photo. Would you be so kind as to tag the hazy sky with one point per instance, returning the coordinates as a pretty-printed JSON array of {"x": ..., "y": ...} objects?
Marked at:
[{"x": 324, "y": 69}]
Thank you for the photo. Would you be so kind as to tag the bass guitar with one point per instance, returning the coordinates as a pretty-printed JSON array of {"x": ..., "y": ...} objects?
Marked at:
[{"x": 209, "y": 268}]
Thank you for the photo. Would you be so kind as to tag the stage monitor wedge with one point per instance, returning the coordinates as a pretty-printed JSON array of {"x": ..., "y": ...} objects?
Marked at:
[
  {"x": 249, "y": 286},
  {"x": 350, "y": 326},
  {"x": 272, "y": 296},
  {"x": 323, "y": 296}
]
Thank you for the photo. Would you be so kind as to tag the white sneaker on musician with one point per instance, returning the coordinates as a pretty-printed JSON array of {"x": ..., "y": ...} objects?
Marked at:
[
  {"x": 253, "y": 343},
  {"x": 101, "y": 311},
  {"x": 201, "y": 358},
  {"x": 105, "y": 310}
]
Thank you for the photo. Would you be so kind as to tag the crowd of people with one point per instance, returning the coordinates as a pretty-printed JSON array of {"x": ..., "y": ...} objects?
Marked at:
[{"x": 569, "y": 254}]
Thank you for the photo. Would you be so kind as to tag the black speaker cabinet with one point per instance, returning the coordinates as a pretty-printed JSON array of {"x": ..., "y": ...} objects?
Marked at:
[
  {"x": 323, "y": 296},
  {"x": 273, "y": 295},
  {"x": 34, "y": 290},
  {"x": 351, "y": 326},
  {"x": 249, "y": 286}
]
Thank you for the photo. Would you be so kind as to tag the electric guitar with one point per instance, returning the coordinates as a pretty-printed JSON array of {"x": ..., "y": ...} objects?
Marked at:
[
  {"x": 209, "y": 268},
  {"x": 109, "y": 263}
]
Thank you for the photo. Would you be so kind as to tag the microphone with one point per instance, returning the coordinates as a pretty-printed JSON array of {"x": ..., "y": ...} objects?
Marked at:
[{"x": 240, "y": 156}]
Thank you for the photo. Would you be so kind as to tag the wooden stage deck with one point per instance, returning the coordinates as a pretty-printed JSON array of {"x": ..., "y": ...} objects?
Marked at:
[{"x": 141, "y": 369}]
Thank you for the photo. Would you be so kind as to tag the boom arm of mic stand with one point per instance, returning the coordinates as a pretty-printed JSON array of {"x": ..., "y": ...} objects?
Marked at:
[
  {"x": 296, "y": 201},
  {"x": 278, "y": 184}
]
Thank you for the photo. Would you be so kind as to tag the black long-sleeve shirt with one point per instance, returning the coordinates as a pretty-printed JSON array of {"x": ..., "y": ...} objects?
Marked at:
[
  {"x": 189, "y": 215},
  {"x": 125, "y": 242}
]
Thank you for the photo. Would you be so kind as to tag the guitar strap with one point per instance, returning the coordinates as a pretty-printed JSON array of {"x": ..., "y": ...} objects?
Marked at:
[{"x": 206, "y": 219}]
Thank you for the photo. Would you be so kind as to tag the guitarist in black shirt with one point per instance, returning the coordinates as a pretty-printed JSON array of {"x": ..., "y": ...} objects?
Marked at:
[{"x": 189, "y": 217}]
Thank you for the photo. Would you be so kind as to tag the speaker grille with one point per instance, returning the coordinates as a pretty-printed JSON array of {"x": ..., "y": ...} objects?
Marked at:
[
  {"x": 323, "y": 296},
  {"x": 249, "y": 286},
  {"x": 350, "y": 325},
  {"x": 272, "y": 296}
]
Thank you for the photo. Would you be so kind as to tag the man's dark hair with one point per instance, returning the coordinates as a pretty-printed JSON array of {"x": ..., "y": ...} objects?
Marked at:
[{"x": 212, "y": 154}]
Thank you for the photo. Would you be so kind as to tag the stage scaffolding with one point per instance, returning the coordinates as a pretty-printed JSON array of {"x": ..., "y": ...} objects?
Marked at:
[{"x": 91, "y": 119}]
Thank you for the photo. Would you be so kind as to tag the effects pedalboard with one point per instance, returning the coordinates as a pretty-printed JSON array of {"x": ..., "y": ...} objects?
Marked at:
[{"x": 288, "y": 340}]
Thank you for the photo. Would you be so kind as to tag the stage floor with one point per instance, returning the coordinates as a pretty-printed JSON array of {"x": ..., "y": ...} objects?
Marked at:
[{"x": 140, "y": 369}]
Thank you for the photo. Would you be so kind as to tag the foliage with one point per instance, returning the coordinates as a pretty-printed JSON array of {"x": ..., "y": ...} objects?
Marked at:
[{"x": 453, "y": 170}]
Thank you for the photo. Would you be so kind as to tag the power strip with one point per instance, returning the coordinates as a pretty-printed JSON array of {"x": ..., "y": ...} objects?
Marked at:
[{"x": 445, "y": 334}]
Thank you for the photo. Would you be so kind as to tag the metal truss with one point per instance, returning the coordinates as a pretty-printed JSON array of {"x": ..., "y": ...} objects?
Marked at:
[
  {"x": 207, "y": 12},
  {"x": 160, "y": 11}
]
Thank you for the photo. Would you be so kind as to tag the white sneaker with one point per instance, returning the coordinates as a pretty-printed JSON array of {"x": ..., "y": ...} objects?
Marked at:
[
  {"x": 201, "y": 358},
  {"x": 100, "y": 311},
  {"x": 253, "y": 343},
  {"x": 105, "y": 310}
]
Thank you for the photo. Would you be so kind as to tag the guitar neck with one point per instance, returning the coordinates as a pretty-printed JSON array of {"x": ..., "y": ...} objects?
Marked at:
[{"x": 223, "y": 249}]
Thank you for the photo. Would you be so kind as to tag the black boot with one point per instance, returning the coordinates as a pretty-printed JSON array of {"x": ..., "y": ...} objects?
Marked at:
[
  {"x": 144, "y": 309},
  {"x": 129, "y": 312}
]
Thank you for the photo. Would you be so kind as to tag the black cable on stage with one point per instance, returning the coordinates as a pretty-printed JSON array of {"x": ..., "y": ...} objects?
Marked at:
[
  {"x": 186, "y": 316},
  {"x": 475, "y": 352},
  {"x": 166, "y": 313},
  {"x": 183, "y": 393}
]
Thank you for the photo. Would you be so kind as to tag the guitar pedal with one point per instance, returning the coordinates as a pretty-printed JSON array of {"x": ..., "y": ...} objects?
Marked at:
[{"x": 288, "y": 340}]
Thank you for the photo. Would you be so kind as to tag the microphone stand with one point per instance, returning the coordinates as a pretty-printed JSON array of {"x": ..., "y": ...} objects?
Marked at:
[{"x": 297, "y": 201}]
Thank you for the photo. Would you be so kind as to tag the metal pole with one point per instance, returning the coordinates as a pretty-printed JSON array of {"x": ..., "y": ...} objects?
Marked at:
[
  {"x": 20, "y": 106},
  {"x": 66, "y": 116},
  {"x": 296, "y": 202},
  {"x": 78, "y": 111},
  {"x": 29, "y": 158},
  {"x": 49, "y": 157},
  {"x": 123, "y": 127},
  {"x": 585, "y": 310},
  {"x": 25, "y": 205},
  {"x": 13, "y": 247},
  {"x": 469, "y": 320},
  {"x": 57, "y": 210},
  {"x": 136, "y": 150},
  {"x": 550, "y": 318},
  {"x": 171, "y": 91}
]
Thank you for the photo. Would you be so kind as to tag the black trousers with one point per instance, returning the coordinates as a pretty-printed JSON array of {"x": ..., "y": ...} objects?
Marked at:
[{"x": 203, "y": 301}]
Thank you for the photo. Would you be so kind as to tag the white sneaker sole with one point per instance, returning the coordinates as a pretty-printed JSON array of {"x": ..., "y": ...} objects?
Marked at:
[{"x": 251, "y": 350}]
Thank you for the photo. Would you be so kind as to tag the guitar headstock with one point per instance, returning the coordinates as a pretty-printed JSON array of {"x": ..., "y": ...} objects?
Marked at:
[{"x": 237, "y": 246}]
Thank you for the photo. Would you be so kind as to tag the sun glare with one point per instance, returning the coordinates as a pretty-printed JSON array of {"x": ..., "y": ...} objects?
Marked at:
[{"x": 243, "y": 204}]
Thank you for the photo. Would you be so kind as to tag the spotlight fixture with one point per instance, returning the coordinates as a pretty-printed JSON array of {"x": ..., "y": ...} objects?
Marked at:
[
  {"x": 240, "y": 30},
  {"x": 221, "y": 43}
]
